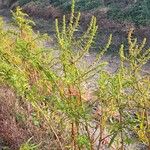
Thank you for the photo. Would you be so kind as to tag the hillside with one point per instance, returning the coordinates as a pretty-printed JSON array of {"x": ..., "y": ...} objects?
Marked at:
[
  {"x": 113, "y": 16},
  {"x": 74, "y": 80},
  {"x": 135, "y": 11}
]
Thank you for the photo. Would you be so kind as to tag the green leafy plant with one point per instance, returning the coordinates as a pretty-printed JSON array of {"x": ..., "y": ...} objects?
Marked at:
[
  {"x": 29, "y": 146},
  {"x": 117, "y": 94},
  {"x": 52, "y": 81}
]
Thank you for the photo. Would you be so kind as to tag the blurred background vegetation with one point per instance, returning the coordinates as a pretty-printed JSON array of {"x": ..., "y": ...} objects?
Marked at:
[{"x": 135, "y": 11}]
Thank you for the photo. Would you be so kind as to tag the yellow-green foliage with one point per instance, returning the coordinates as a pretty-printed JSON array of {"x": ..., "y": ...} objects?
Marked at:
[
  {"x": 54, "y": 78},
  {"x": 127, "y": 92},
  {"x": 28, "y": 146}
]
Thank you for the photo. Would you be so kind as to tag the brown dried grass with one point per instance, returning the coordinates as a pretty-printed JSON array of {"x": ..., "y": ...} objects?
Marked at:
[
  {"x": 45, "y": 12},
  {"x": 16, "y": 132},
  {"x": 10, "y": 131}
]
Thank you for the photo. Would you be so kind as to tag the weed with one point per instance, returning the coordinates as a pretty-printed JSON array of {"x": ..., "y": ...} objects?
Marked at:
[{"x": 51, "y": 80}]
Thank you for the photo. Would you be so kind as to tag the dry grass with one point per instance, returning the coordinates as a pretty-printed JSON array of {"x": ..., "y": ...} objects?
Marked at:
[
  {"x": 15, "y": 130},
  {"x": 44, "y": 12},
  {"x": 10, "y": 131}
]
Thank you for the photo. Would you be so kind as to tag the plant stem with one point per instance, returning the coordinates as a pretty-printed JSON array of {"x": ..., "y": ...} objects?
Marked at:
[
  {"x": 37, "y": 107},
  {"x": 101, "y": 130},
  {"x": 74, "y": 136},
  {"x": 88, "y": 132},
  {"x": 121, "y": 121}
]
